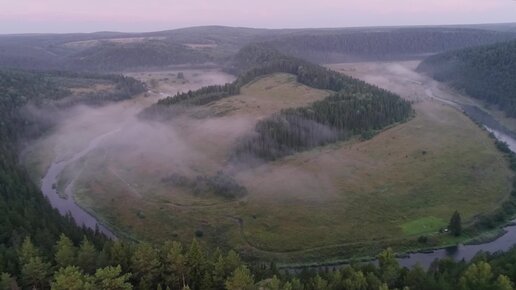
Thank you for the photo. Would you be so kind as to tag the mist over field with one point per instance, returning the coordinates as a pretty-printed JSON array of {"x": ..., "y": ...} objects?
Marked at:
[{"x": 244, "y": 145}]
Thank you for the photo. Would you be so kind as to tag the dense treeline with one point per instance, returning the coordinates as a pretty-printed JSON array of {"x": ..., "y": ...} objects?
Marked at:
[
  {"x": 119, "y": 88},
  {"x": 120, "y": 51},
  {"x": 383, "y": 44},
  {"x": 335, "y": 118},
  {"x": 202, "y": 96},
  {"x": 52, "y": 91},
  {"x": 256, "y": 60},
  {"x": 58, "y": 87},
  {"x": 172, "y": 265},
  {"x": 486, "y": 73},
  {"x": 109, "y": 56},
  {"x": 24, "y": 210}
]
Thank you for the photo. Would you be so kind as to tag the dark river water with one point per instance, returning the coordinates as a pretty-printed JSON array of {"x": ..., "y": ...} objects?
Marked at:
[{"x": 68, "y": 205}]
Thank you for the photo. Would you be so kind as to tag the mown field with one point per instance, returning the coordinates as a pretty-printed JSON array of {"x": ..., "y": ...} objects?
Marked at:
[{"x": 347, "y": 199}]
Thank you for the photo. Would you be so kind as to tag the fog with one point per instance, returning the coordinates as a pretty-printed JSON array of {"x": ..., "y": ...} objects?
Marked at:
[
  {"x": 171, "y": 142},
  {"x": 138, "y": 151}
]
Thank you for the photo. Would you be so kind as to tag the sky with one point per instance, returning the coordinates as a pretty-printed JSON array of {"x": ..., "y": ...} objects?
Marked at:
[{"x": 63, "y": 16}]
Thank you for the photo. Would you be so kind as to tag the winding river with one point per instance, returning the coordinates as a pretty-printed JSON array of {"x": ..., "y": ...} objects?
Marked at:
[
  {"x": 459, "y": 252},
  {"x": 68, "y": 205}
]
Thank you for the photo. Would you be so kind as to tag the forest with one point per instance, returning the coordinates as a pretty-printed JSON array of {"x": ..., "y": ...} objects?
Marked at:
[
  {"x": 25, "y": 211},
  {"x": 115, "y": 51},
  {"x": 486, "y": 73},
  {"x": 357, "y": 108},
  {"x": 108, "y": 56},
  {"x": 338, "y": 117},
  {"x": 382, "y": 43},
  {"x": 118, "y": 265}
]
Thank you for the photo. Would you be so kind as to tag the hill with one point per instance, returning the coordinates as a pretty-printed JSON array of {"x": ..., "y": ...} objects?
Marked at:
[
  {"x": 486, "y": 73},
  {"x": 383, "y": 43},
  {"x": 357, "y": 108},
  {"x": 113, "y": 51}
]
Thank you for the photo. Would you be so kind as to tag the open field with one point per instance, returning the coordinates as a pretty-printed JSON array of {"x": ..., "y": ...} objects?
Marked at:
[
  {"x": 81, "y": 123},
  {"x": 403, "y": 183},
  {"x": 347, "y": 199}
]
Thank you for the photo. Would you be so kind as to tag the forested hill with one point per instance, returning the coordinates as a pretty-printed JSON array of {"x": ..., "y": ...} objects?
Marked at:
[
  {"x": 356, "y": 108},
  {"x": 383, "y": 43},
  {"x": 112, "y": 51},
  {"x": 487, "y": 73}
]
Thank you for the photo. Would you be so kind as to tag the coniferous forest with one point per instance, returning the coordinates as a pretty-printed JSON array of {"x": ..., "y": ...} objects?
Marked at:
[
  {"x": 486, "y": 73},
  {"x": 383, "y": 43},
  {"x": 335, "y": 118}
]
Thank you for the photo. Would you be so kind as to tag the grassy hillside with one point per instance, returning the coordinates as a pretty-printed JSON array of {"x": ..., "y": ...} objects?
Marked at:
[
  {"x": 347, "y": 199},
  {"x": 486, "y": 73}
]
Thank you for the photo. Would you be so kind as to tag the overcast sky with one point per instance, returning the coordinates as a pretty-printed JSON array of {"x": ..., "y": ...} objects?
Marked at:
[{"x": 23, "y": 16}]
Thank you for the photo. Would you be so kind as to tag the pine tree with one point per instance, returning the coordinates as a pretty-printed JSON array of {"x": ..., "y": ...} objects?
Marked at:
[
  {"x": 35, "y": 272},
  {"x": 477, "y": 276},
  {"x": 389, "y": 266},
  {"x": 145, "y": 265},
  {"x": 195, "y": 261},
  {"x": 7, "y": 282},
  {"x": 455, "y": 225},
  {"x": 87, "y": 256},
  {"x": 72, "y": 278},
  {"x": 111, "y": 278},
  {"x": 174, "y": 264},
  {"x": 65, "y": 252},
  {"x": 503, "y": 283},
  {"x": 240, "y": 280},
  {"x": 27, "y": 251},
  {"x": 120, "y": 255}
]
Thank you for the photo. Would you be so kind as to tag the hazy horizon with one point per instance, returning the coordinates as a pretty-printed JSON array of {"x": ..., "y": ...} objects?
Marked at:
[{"x": 61, "y": 16}]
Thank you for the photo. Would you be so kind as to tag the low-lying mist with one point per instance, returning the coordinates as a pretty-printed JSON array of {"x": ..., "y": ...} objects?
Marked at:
[{"x": 137, "y": 151}]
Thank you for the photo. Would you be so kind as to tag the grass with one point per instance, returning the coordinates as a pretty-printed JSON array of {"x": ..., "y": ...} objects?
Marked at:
[
  {"x": 345, "y": 200},
  {"x": 423, "y": 225}
]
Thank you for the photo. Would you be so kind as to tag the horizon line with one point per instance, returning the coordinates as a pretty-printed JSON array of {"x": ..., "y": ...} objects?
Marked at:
[{"x": 260, "y": 28}]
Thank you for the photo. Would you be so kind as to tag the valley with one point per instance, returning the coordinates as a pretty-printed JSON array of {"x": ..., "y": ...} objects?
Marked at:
[
  {"x": 343, "y": 200},
  {"x": 254, "y": 145}
]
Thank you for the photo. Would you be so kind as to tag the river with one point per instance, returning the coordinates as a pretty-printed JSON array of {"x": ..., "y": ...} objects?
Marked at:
[
  {"x": 459, "y": 252},
  {"x": 68, "y": 205}
]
